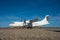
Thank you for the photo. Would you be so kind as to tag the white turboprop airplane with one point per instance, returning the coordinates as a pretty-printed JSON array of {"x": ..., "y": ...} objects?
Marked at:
[{"x": 34, "y": 24}]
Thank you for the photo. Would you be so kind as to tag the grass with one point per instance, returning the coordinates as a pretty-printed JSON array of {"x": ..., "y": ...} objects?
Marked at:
[{"x": 30, "y": 34}]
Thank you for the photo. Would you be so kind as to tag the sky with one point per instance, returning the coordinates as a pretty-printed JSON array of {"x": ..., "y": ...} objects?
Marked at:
[{"x": 17, "y": 10}]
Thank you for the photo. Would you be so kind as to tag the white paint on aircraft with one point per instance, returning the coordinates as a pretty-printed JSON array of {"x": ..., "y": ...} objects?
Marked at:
[{"x": 38, "y": 23}]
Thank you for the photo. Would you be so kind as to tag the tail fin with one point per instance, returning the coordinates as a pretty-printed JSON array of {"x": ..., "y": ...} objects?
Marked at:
[
  {"x": 42, "y": 22},
  {"x": 47, "y": 17}
]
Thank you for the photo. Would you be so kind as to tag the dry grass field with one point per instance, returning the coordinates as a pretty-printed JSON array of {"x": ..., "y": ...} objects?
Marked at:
[{"x": 30, "y": 34}]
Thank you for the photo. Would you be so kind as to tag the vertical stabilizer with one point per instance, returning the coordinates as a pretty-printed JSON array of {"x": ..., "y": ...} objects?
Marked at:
[
  {"x": 46, "y": 19},
  {"x": 42, "y": 22}
]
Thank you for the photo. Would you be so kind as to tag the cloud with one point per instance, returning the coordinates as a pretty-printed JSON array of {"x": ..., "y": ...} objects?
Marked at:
[
  {"x": 55, "y": 18},
  {"x": 54, "y": 21},
  {"x": 9, "y": 17},
  {"x": 13, "y": 17}
]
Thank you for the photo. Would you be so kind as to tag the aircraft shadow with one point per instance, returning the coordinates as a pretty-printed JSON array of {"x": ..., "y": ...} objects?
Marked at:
[{"x": 54, "y": 30}]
